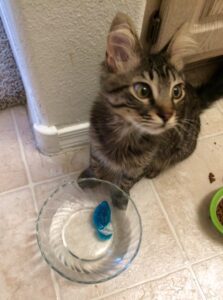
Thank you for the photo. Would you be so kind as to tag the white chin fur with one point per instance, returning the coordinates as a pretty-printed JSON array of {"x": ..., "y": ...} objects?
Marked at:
[
  {"x": 159, "y": 130},
  {"x": 151, "y": 130},
  {"x": 155, "y": 131}
]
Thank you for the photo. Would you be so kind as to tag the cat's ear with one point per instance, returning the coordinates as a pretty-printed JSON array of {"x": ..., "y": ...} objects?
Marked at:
[
  {"x": 123, "y": 47},
  {"x": 181, "y": 45}
]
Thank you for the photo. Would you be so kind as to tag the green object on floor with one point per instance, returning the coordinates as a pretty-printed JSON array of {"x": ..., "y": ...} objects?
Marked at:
[{"x": 218, "y": 196}]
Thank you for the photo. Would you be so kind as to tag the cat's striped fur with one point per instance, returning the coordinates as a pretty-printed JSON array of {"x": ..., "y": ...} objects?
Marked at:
[{"x": 134, "y": 136}]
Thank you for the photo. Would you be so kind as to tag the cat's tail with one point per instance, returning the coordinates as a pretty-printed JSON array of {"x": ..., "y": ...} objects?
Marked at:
[{"x": 212, "y": 90}]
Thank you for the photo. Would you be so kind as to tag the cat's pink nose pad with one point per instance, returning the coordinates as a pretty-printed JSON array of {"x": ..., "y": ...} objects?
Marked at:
[{"x": 164, "y": 115}]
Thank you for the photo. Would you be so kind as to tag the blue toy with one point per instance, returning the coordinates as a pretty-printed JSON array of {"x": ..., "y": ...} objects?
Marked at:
[{"x": 102, "y": 220}]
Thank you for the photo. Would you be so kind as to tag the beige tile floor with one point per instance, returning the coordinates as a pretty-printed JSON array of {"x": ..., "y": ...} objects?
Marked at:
[{"x": 181, "y": 256}]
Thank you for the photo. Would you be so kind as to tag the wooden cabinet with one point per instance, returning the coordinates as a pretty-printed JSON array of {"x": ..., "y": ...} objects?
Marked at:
[{"x": 207, "y": 29}]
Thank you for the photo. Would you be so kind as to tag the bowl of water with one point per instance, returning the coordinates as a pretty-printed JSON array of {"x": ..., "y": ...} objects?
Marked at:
[{"x": 69, "y": 241}]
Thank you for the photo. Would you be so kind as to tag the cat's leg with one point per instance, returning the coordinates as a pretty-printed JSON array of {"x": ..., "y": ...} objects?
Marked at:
[
  {"x": 87, "y": 173},
  {"x": 120, "y": 199},
  {"x": 125, "y": 183},
  {"x": 158, "y": 166},
  {"x": 165, "y": 161},
  {"x": 93, "y": 171},
  {"x": 127, "y": 180}
]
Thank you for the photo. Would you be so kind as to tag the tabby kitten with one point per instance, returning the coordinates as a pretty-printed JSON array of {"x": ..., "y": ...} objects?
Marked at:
[{"x": 146, "y": 117}]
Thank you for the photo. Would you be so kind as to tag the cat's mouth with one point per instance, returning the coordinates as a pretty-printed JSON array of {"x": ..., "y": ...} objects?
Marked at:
[
  {"x": 152, "y": 127},
  {"x": 156, "y": 128}
]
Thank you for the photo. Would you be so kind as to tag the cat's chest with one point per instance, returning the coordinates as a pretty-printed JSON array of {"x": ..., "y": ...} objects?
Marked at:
[{"x": 124, "y": 156}]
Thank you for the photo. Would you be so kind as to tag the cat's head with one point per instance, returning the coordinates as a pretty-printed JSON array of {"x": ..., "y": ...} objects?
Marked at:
[{"x": 148, "y": 91}]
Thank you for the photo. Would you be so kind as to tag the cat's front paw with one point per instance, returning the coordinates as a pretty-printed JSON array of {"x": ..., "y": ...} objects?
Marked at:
[
  {"x": 87, "y": 174},
  {"x": 119, "y": 199}
]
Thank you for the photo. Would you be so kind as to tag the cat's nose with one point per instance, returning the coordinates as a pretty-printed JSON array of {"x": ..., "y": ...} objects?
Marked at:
[{"x": 165, "y": 115}]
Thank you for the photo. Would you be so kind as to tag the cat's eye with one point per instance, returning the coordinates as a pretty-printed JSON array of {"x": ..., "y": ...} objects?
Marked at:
[
  {"x": 177, "y": 91},
  {"x": 142, "y": 90}
]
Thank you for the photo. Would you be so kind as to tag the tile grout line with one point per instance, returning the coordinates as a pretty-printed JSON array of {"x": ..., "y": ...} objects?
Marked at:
[
  {"x": 49, "y": 180},
  {"x": 31, "y": 186},
  {"x": 219, "y": 106},
  {"x": 178, "y": 242},
  {"x": 189, "y": 264},
  {"x": 197, "y": 283},
  {"x": 20, "y": 188},
  {"x": 56, "y": 285},
  {"x": 206, "y": 259},
  {"x": 169, "y": 222},
  {"x": 183, "y": 267},
  {"x": 201, "y": 138},
  {"x": 141, "y": 283},
  {"x": 22, "y": 152}
]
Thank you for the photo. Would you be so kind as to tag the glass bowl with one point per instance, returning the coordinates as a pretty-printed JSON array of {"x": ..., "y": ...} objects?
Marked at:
[{"x": 68, "y": 240}]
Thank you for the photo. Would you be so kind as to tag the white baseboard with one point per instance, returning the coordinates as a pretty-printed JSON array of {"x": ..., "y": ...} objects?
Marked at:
[{"x": 51, "y": 140}]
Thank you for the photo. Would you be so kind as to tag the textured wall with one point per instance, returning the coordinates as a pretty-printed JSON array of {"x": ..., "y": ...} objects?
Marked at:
[
  {"x": 60, "y": 44},
  {"x": 11, "y": 87}
]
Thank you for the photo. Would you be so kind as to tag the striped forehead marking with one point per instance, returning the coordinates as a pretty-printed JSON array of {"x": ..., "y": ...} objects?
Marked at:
[{"x": 153, "y": 79}]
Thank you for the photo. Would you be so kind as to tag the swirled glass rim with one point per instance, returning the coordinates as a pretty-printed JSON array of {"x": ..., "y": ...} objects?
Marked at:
[{"x": 62, "y": 273}]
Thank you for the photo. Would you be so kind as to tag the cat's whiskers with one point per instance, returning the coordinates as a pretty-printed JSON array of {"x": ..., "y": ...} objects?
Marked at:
[
  {"x": 150, "y": 123},
  {"x": 166, "y": 164},
  {"x": 178, "y": 132},
  {"x": 189, "y": 121},
  {"x": 147, "y": 117},
  {"x": 182, "y": 127},
  {"x": 188, "y": 127}
]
